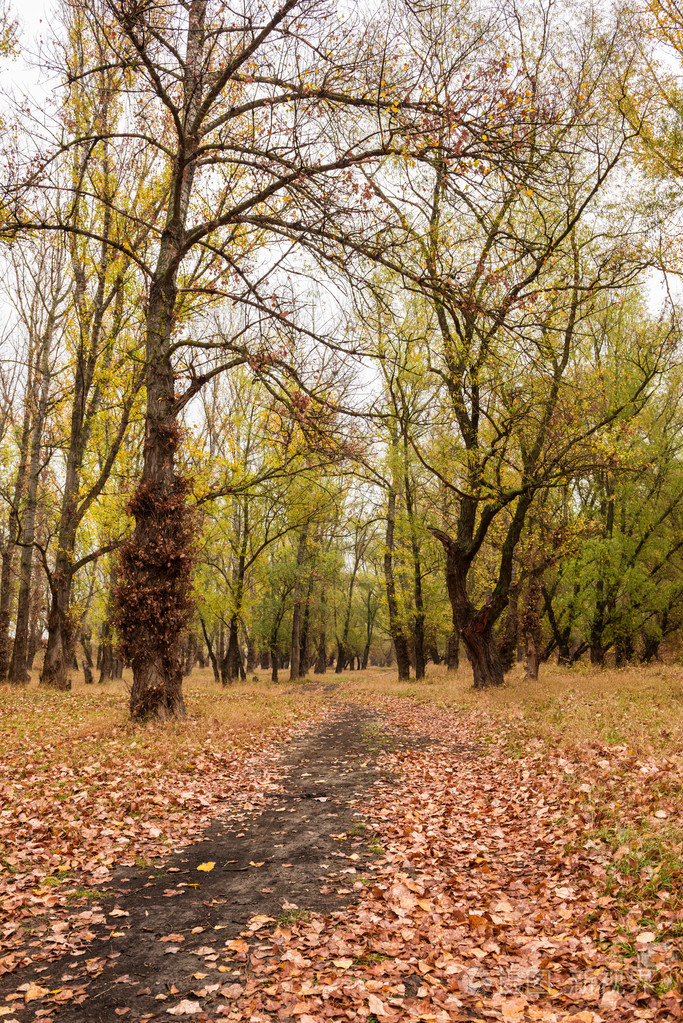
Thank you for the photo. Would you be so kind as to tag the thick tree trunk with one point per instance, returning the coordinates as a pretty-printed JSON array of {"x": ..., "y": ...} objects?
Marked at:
[
  {"x": 532, "y": 657},
  {"x": 474, "y": 625},
  {"x": 650, "y": 648},
  {"x": 482, "y": 651},
  {"x": 624, "y": 649},
  {"x": 57, "y": 660},
  {"x": 531, "y": 627},
  {"x": 153, "y": 596},
  {"x": 341, "y": 658}
]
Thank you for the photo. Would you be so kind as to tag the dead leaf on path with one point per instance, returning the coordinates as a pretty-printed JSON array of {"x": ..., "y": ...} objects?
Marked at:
[
  {"x": 257, "y": 922},
  {"x": 610, "y": 999},
  {"x": 646, "y": 937},
  {"x": 119, "y": 912},
  {"x": 514, "y": 1008},
  {"x": 376, "y": 1005},
  {"x": 172, "y": 937},
  {"x": 206, "y": 866},
  {"x": 232, "y": 990},
  {"x": 252, "y": 864},
  {"x": 185, "y": 1008},
  {"x": 34, "y": 991}
]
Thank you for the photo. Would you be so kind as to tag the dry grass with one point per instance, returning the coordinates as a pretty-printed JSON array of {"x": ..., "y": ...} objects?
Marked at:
[
  {"x": 89, "y": 714},
  {"x": 640, "y": 708}
]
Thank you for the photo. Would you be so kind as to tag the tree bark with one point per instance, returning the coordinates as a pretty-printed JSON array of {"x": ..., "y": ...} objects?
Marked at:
[
  {"x": 295, "y": 657},
  {"x": 13, "y": 533},
  {"x": 531, "y": 627},
  {"x": 154, "y": 597},
  {"x": 18, "y": 672},
  {"x": 398, "y": 636},
  {"x": 212, "y": 655},
  {"x": 453, "y": 650},
  {"x": 321, "y": 662},
  {"x": 419, "y": 620},
  {"x": 507, "y": 642}
]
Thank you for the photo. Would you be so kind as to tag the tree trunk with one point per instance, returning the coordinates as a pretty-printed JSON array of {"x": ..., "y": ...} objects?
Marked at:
[
  {"x": 154, "y": 597},
  {"x": 475, "y": 625},
  {"x": 57, "y": 660},
  {"x": 321, "y": 662},
  {"x": 531, "y": 627},
  {"x": 419, "y": 620},
  {"x": 305, "y": 641},
  {"x": 191, "y": 653},
  {"x": 561, "y": 634},
  {"x": 86, "y": 643},
  {"x": 18, "y": 671},
  {"x": 399, "y": 638},
  {"x": 251, "y": 656},
  {"x": 212, "y": 656},
  {"x": 295, "y": 662},
  {"x": 13, "y": 533},
  {"x": 482, "y": 651},
  {"x": 232, "y": 662},
  {"x": 507, "y": 642},
  {"x": 453, "y": 651}
]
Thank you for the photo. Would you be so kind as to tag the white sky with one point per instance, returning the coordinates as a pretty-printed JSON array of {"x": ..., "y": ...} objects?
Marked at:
[{"x": 21, "y": 75}]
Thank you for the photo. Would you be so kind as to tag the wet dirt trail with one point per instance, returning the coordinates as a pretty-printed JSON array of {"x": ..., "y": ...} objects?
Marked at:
[{"x": 171, "y": 937}]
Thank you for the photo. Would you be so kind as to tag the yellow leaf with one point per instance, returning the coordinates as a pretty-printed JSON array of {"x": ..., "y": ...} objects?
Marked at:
[{"x": 206, "y": 866}]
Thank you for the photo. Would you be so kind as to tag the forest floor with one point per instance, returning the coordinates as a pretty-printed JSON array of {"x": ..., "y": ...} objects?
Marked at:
[{"x": 346, "y": 849}]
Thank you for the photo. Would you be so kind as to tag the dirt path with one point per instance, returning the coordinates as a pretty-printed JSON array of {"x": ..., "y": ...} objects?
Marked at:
[{"x": 172, "y": 936}]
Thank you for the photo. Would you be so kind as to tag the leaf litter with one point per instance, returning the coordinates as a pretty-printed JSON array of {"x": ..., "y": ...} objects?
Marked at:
[{"x": 493, "y": 898}]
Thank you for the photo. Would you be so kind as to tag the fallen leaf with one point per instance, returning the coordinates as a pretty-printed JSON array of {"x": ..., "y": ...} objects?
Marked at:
[
  {"x": 185, "y": 1008},
  {"x": 34, "y": 991},
  {"x": 376, "y": 1005},
  {"x": 205, "y": 866}
]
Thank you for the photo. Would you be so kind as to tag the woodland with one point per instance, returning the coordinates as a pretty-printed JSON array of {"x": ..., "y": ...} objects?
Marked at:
[
  {"x": 341, "y": 511},
  {"x": 336, "y": 338}
]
